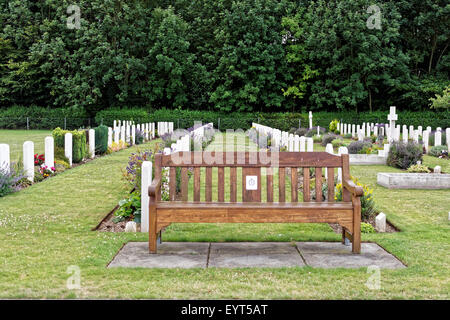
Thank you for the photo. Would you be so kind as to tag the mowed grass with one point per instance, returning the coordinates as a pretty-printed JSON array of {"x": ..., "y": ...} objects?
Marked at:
[
  {"x": 16, "y": 138},
  {"x": 47, "y": 228}
]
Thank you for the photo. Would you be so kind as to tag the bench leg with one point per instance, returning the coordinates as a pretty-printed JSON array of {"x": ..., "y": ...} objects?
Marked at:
[
  {"x": 343, "y": 235},
  {"x": 356, "y": 244},
  {"x": 152, "y": 234}
]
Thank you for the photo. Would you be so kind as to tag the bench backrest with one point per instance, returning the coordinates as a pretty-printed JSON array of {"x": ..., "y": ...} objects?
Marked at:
[{"x": 252, "y": 163}]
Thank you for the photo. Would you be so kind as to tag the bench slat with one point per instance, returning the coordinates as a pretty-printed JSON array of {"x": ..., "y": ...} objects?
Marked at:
[
  {"x": 184, "y": 183},
  {"x": 306, "y": 185},
  {"x": 233, "y": 185},
  {"x": 281, "y": 185},
  {"x": 269, "y": 184},
  {"x": 318, "y": 184},
  {"x": 172, "y": 183},
  {"x": 208, "y": 189},
  {"x": 221, "y": 184},
  {"x": 251, "y": 195},
  {"x": 294, "y": 185},
  {"x": 197, "y": 184},
  {"x": 330, "y": 177}
]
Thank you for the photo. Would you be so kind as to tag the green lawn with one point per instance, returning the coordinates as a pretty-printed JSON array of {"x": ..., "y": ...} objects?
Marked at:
[
  {"x": 16, "y": 138},
  {"x": 46, "y": 228}
]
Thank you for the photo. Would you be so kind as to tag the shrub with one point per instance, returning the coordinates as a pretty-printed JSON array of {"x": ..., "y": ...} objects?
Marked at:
[
  {"x": 436, "y": 151},
  {"x": 328, "y": 138},
  {"x": 61, "y": 165},
  {"x": 132, "y": 173},
  {"x": 60, "y": 155},
  {"x": 337, "y": 143},
  {"x": 334, "y": 125},
  {"x": 301, "y": 131},
  {"x": 101, "y": 139},
  {"x": 78, "y": 146},
  {"x": 367, "y": 228},
  {"x": 139, "y": 137},
  {"x": 313, "y": 131},
  {"x": 317, "y": 139},
  {"x": 367, "y": 201},
  {"x": 78, "y": 142},
  {"x": 348, "y": 136},
  {"x": 355, "y": 147},
  {"x": 117, "y": 146},
  {"x": 419, "y": 168},
  {"x": 403, "y": 155},
  {"x": 9, "y": 179},
  {"x": 130, "y": 207}
]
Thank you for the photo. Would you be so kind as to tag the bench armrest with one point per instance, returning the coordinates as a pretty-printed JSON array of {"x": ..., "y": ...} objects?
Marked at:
[
  {"x": 355, "y": 190},
  {"x": 155, "y": 187}
]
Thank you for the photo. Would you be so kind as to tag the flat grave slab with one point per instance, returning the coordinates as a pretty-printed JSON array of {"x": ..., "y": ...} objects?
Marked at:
[{"x": 253, "y": 254}]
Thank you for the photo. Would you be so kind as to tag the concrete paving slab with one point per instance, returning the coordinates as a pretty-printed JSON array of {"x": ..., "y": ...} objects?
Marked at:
[
  {"x": 337, "y": 255},
  {"x": 170, "y": 255},
  {"x": 254, "y": 254}
]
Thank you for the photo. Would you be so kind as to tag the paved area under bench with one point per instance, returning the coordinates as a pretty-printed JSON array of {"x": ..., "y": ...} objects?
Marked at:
[{"x": 253, "y": 254}]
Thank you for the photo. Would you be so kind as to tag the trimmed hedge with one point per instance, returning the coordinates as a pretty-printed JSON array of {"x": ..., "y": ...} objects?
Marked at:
[
  {"x": 44, "y": 118},
  {"x": 78, "y": 143},
  {"x": 101, "y": 139}
]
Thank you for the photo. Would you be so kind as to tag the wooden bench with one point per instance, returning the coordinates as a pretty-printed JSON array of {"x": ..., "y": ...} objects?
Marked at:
[{"x": 346, "y": 213}]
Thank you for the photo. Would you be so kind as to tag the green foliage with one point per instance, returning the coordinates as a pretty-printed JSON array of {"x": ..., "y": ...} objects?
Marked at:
[
  {"x": 367, "y": 228},
  {"x": 101, "y": 139},
  {"x": 419, "y": 168},
  {"x": 337, "y": 143},
  {"x": 367, "y": 201},
  {"x": 78, "y": 143},
  {"x": 403, "y": 155},
  {"x": 436, "y": 151},
  {"x": 334, "y": 125},
  {"x": 129, "y": 208},
  {"x": 441, "y": 101},
  {"x": 10, "y": 179},
  {"x": 249, "y": 55}
]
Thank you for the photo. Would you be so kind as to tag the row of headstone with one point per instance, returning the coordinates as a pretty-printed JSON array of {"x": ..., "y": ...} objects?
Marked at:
[
  {"x": 127, "y": 131},
  {"x": 293, "y": 143},
  {"x": 341, "y": 150},
  {"x": 164, "y": 127},
  {"x": 393, "y": 131}
]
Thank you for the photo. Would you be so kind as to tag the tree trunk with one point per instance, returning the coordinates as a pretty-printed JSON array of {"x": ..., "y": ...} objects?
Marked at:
[{"x": 433, "y": 48}]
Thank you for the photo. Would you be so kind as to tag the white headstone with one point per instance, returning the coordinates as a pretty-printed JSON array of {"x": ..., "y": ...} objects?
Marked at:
[
  {"x": 49, "y": 152},
  {"x": 411, "y": 132},
  {"x": 310, "y": 119},
  {"x": 291, "y": 143},
  {"x": 405, "y": 134},
  {"x": 68, "y": 147},
  {"x": 353, "y": 130},
  {"x": 380, "y": 222},
  {"x": 296, "y": 143},
  {"x": 130, "y": 226},
  {"x": 447, "y": 138},
  {"x": 28, "y": 160},
  {"x": 92, "y": 142},
  {"x": 425, "y": 140},
  {"x": 309, "y": 144},
  {"x": 128, "y": 133},
  {"x": 122, "y": 133},
  {"x": 5, "y": 161},
  {"x": 341, "y": 151},
  {"x": 302, "y": 144},
  {"x": 110, "y": 136},
  {"x": 116, "y": 135},
  {"x": 437, "y": 169},
  {"x": 146, "y": 181},
  {"x": 133, "y": 134},
  {"x": 437, "y": 138},
  {"x": 392, "y": 117},
  {"x": 329, "y": 148}
]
